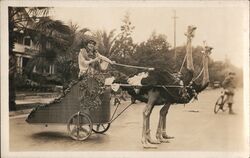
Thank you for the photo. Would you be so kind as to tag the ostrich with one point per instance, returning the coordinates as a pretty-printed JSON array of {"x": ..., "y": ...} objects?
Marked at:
[{"x": 154, "y": 91}]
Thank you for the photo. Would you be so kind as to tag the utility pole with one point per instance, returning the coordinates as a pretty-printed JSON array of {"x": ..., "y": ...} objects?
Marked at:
[{"x": 175, "y": 17}]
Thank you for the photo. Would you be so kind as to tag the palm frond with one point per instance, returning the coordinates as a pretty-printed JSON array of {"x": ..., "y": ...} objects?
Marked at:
[
  {"x": 84, "y": 30},
  {"x": 21, "y": 18},
  {"x": 39, "y": 11},
  {"x": 47, "y": 25}
]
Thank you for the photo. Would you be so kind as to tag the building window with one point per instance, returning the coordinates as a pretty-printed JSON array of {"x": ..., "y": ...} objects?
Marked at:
[
  {"x": 48, "y": 45},
  {"x": 52, "y": 69},
  {"x": 19, "y": 39},
  {"x": 27, "y": 41},
  {"x": 19, "y": 64},
  {"x": 34, "y": 69}
]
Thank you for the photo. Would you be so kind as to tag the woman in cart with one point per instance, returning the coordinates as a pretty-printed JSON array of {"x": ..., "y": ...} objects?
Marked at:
[
  {"x": 90, "y": 61},
  {"x": 92, "y": 65}
]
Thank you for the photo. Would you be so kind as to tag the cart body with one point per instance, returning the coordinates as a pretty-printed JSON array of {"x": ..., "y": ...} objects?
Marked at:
[{"x": 63, "y": 108}]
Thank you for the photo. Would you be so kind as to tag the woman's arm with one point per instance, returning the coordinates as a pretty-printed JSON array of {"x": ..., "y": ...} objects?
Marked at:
[
  {"x": 104, "y": 58},
  {"x": 85, "y": 59},
  {"x": 91, "y": 61}
]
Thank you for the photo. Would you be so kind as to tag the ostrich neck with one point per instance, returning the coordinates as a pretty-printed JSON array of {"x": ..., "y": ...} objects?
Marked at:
[
  {"x": 205, "y": 71},
  {"x": 205, "y": 81},
  {"x": 190, "y": 65}
]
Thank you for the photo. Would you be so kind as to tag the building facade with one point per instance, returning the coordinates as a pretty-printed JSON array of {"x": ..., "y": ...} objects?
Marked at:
[{"x": 25, "y": 49}]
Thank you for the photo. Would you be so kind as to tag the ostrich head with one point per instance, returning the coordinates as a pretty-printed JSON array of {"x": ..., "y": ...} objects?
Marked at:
[
  {"x": 190, "y": 31},
  {"x": 208, "y": 50}
]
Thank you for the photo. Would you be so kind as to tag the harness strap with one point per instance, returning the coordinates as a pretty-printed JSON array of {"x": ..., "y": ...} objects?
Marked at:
[
  {"x": 136, "y": 67},
  {"x": 169, "y": 86},
  {"x": 172, "y": 95},
  {"x": 198, "y": 75},
  {"x": 114, "y": 118},
  {"x": 183, "y": 62}
]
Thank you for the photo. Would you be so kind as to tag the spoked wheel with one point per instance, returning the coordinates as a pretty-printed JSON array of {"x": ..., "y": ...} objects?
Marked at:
[
  {"x": 101, "y": 128},
  {"x": 79, "y": 126},
  {"x": 219, "y": 105}
]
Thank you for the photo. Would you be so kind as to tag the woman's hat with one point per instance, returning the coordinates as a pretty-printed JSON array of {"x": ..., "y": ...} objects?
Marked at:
[
  {"x": 91, "y": 41},
  {"x": 231, "y": 73}
]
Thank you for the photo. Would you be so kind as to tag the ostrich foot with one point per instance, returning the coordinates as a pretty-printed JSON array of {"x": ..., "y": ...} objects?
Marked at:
[
  {"x": 165, "y": 136},
  {"x": 150, "y": 140},
  {"x": 161, "y": 139},
  {"x": 148, "y": 145},
  {"x": 147, "y": 142}
]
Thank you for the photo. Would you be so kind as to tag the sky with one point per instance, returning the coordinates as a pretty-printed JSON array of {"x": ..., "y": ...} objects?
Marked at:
[{"x": 225, "y": 28}]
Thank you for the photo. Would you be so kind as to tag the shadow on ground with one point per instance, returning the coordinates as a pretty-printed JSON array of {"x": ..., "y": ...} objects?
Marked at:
[
  {"x": 51, "y": 136},
  {"x": 54, "y": 136}
]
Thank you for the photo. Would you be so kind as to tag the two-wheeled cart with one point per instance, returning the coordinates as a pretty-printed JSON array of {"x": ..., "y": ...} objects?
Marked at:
[
  {"x": 82, "y": 118},
  {"x": 82, "y": 115}
]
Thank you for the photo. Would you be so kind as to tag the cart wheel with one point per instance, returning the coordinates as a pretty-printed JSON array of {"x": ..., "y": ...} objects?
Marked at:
[
  {"x": 101, "y": 128},
  {"x": 79, "y": 126}
]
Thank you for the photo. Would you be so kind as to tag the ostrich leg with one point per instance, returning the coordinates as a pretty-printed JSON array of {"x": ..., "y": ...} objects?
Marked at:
[
  {"x": 146, "y": 138},
  {"x": 161, "y": 130},
  {"x": 164, "y": 118}
]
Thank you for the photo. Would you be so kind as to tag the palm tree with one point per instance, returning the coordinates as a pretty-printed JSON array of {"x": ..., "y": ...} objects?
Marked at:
[
  {"x": 105, "y": 41},
  {"x": 52, "y": 37},
  {"x": 69, "y": 61},
  {"x": 20, "y": 18}
]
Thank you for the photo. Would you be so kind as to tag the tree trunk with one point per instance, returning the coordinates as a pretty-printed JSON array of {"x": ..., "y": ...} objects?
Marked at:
[
  {"x": 12, "y": 89},
  {"x": 12, "y": 66}
]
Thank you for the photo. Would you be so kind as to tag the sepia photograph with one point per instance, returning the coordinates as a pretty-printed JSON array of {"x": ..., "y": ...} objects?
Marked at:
[{"x": 124, "y": 79}]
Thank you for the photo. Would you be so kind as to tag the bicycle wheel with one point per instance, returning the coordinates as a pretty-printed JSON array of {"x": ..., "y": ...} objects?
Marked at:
[{"x": 219, "y": 104}]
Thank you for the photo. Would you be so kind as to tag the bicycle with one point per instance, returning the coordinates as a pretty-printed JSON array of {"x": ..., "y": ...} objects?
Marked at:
[{"x": 219, "y": 105}]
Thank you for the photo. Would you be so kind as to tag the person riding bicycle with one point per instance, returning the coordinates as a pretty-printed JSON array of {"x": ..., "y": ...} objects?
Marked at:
[{"x": 229, "y": 85}]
